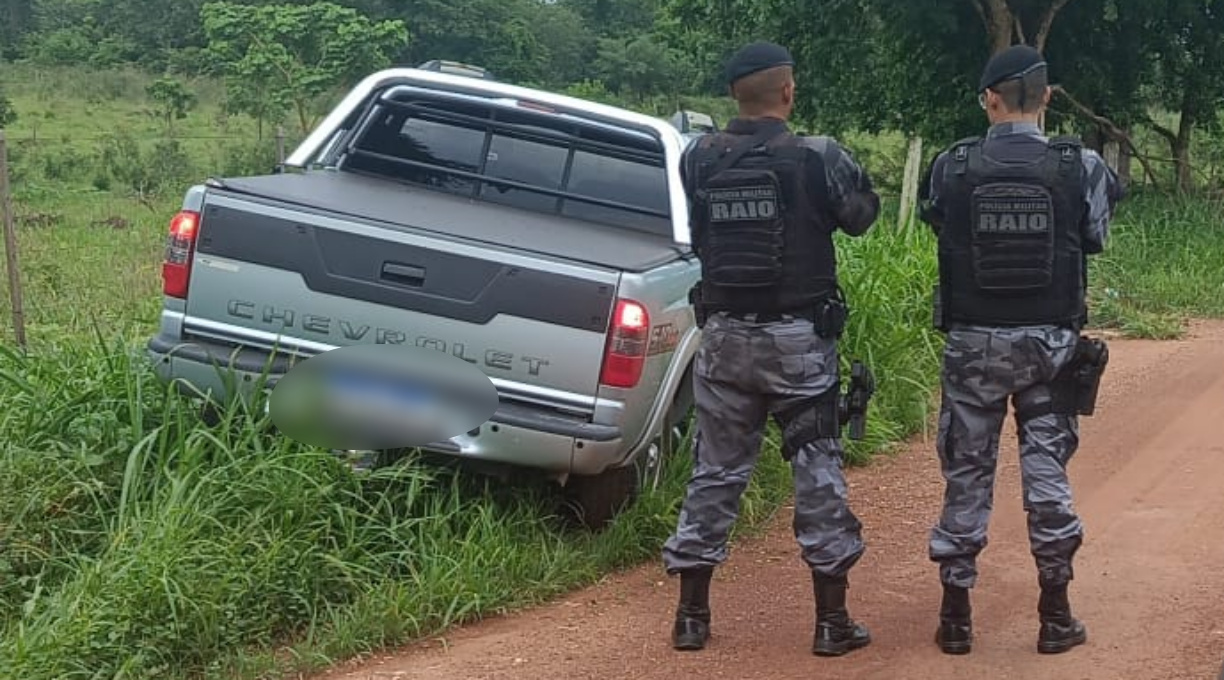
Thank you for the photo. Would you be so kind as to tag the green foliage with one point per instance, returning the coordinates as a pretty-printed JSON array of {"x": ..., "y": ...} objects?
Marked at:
[
  {"x": 1161, "y": 267},
  {"x": 74, "y": 36},
  {"x": 868, "y": 64},
  {"x": 171, "y": 98},
  {"x": 912, "y": 65},
  {"x": 641, "y": 66},
  {"x": 8, "y": 113},
  {"x": 888, "y": 277},
  {"x": 566, "y": 44},
  {"x": 617, "y": 17},
  {"x": 146, "y": 172},
  {"x": 276, "y": 57},
  {"x": 16, "y": 19}
]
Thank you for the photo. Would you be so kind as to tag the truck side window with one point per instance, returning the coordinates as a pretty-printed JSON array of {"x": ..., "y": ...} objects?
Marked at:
[
  {"x": 631, "y": 182},
  {"x": 462, "y": 149},
  {"x": 444, "y": 144},
  {"x": 530, "y": 162},
  {"x": 424, "y": 142}
]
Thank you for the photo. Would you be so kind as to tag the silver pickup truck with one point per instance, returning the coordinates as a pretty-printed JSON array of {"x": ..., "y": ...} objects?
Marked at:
[{"x": 540, "y": 237}]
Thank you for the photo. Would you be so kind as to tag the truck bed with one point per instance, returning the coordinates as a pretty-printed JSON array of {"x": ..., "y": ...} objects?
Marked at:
[{"x": 380, "y": 200}]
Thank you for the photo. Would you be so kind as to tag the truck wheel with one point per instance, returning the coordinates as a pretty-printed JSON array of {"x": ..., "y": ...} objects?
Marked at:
[{"x": 598, "y": 499}]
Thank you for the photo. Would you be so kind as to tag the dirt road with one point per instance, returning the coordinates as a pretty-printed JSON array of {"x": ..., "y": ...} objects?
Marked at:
[{"x": 1149, "y": 482}]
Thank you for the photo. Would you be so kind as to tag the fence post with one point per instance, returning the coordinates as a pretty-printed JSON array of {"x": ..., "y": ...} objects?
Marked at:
[
  {"x": 909, "y": 188},
  {"x": 280, "y": 145},
  {"x": 10, "y": 246}
]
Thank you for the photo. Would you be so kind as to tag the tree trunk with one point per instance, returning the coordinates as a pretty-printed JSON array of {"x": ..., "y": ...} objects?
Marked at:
[
  {"x": 303, "y": 118},
  {"x": 1112, "y": 153},
  {"x": 1047, "y": 23},
  {"x": 1181, "y": 144},
  {"x": 1094, "y": 138},
  {"x": 910, "y": 186},
  {"x": 1181, "y": 154},
  {"x": 1004, "y": 27},
  {"x": 1113, "y": 131},
  {"x": 999, "y": 22},
  {"x": 1125, "y": 161}
]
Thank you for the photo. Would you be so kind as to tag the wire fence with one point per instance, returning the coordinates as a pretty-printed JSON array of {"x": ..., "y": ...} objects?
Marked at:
[{"x": 282, "y": 139}]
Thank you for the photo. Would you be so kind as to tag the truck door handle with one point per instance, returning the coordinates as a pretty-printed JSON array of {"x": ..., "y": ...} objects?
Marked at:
[{"x": 405, "y": 274}]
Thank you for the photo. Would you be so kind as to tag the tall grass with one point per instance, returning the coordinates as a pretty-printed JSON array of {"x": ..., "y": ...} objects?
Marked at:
[
  {"x": 138, "y": 543},
  {"x": 1161, "y": 267},
  {"x": 888, "y": 277}
]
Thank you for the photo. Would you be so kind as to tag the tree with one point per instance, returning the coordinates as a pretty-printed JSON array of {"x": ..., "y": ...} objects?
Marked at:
[
  {"x": 617, "y": 18},
  {"x": 641, "y": 66},
  {"x": 902, "y": 65},
  {"x": 1190, "y": 59},
  {"x": 16, "y": 19},
  {"x": 568, "y": 44},
  {"x": 171, "y": 99},
  {"x": 905, "y": 65},
  {"x": 291, "y": 56},
  {"x": 1011, "y": 22},
  {"x": 1109, "y": 92},
  {"x": 8, "y": 114}
]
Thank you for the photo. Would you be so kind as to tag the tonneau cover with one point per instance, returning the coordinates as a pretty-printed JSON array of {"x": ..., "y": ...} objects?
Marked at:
[{"x": 377, "y": 199}]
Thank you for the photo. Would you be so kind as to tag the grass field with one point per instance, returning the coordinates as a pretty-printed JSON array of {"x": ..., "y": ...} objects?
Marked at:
[{"x": 137, "y": 543}]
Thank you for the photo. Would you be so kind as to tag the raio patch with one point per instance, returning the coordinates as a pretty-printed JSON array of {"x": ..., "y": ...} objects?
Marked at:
[
  {"x": 743, "y": 204},
  {"x": 1014, "y": 211},
  {"x": 375, "y": 397}
]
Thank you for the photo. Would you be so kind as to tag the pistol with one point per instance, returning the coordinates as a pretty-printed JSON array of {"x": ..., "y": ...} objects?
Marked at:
[
  {"x": 1090, "y": 366},
  {"x": 854, "y": 403}
]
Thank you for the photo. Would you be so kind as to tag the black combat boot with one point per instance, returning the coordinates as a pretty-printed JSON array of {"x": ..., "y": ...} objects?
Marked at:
[
  {"x": 692, "y": 628},
  {"x": 955, "y": 634},
  {"x": 836, "y": 632},
  {"x": 1059, "y": 630}
]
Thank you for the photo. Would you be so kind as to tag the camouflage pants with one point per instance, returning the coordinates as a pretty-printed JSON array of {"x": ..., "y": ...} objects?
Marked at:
[
  {"x": 983, "y": 368},
  {"x": 743, "y": 373}
]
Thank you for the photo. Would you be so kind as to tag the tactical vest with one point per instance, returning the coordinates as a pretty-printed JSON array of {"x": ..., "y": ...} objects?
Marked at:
[
  {"x": 1010, "y": 251},
  {"x": 759, "y": 228}
]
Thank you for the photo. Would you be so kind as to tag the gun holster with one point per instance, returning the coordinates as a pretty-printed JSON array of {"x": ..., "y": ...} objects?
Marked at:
[
  {"x": 937, "y": 309},
  {"x": 699, "y": 309},
  {"x": 853, "y": 406},
  {"x": 1091, "y": 358},
  {"x": 830, "y": 318}
]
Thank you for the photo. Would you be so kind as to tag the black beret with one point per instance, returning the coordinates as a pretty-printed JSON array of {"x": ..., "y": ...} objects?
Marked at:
[
  {"x": 755, "y": 57},
  {"x": 1013, "y": 62}
]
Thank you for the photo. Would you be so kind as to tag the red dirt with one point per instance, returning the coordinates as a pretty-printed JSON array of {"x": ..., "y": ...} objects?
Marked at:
[{"x": 1149, "y": 484}]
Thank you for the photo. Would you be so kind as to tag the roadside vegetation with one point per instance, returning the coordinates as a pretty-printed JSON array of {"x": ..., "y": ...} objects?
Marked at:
[{"x": 136, "y": 542}]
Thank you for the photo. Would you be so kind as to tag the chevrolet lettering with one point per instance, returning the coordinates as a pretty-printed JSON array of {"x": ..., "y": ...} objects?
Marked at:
[
  {"x": 325, "y": 326},
  {"x": 370, "y": 239}
]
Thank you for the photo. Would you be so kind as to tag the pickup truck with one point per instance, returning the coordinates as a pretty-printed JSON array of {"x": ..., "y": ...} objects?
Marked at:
[{"x": 540, "y": 237}]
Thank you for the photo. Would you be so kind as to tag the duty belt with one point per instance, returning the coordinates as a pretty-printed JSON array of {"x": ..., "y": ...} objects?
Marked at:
[{"x": 771, "y": 317}]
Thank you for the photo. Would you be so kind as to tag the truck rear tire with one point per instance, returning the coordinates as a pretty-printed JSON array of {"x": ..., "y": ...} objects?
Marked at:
[{"x": 596, "y": 500}]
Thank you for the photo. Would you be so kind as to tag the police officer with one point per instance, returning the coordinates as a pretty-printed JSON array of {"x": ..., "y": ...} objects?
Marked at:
[
  {"x": 1017, "y": 214},
  {"x": 765, "y": 204}
]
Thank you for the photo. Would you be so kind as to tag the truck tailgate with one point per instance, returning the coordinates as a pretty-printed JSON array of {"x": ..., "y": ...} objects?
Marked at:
[{"x": 267, "y": 271}]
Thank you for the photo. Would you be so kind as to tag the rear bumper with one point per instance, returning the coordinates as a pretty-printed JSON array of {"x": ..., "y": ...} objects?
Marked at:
[{"x": 516, "y": 434}]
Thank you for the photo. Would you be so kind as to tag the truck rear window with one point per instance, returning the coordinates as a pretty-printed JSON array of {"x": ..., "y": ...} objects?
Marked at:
[{"x": 522, "y": 159}]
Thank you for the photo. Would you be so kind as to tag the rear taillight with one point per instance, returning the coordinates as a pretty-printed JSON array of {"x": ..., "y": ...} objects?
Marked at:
[
  {"x": 180, "y": 248},
  {"x": 628, "y": 339}
]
